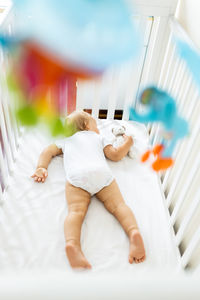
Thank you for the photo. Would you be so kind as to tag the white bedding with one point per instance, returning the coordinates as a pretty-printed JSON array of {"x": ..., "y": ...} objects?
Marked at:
[{"x": 32, "y": 216}]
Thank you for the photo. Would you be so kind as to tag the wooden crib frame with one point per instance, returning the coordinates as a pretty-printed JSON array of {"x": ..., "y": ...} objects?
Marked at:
[{"x": 159, "y": 65}]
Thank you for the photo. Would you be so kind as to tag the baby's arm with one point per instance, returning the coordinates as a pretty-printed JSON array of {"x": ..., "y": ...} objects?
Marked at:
[
  {"x": 45, "y": 157},
  {"x": 116, "y": 154}
]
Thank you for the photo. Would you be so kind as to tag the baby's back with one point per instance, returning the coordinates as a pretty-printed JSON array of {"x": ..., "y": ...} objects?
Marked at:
[
  {"x": 84, "y": 161},
  {"x": 84, "y": 150}
]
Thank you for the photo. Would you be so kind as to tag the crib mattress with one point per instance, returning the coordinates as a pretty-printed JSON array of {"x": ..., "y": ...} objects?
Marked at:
[{"x": 32, "y": 215}]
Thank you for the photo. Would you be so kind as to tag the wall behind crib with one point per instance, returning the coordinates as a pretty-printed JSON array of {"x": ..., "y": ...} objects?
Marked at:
[{"x": 188, "y": 16}]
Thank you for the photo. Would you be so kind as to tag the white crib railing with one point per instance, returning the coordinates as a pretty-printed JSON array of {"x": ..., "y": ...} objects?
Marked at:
[
  {"x": 9, "y": 130},
  {"x": 180, "y": 184},
  {"x": 91, "y": 287},
  {"x": 115, "y": 91}
]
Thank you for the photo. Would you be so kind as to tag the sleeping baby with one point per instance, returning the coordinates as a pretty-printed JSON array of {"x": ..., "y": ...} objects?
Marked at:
[{"x": 88, "y": 174}]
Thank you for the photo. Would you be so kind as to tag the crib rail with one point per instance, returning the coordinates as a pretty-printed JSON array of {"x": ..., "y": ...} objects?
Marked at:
[
  {"x": 9, "y": 130},
  {"x": 102, "y": 286},
  {"x": 180, "y": 184}
]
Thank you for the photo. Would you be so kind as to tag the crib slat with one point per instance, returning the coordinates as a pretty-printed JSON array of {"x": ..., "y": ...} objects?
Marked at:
[
  {"x": 169, "y": 66},
  {"x": 15, "y": 122},
  {"x": 148, "y": 29},
  {"x": 81, "y": 95},
  {"x": 187, "y": 112},
  {"x": 145, "y": 61},
  {"x": 4, "y": 98},
  {"x": 154, "y": 134},
  {"x": 132, "y": 87},
  {"x": 5, "y": 139},
  {"x": 1, "y": 195},
  {"x": 165, "y": 62},
  {"x": 180, "y": 200},
  {"x": 4, "y": 170},
  {"x": 96, "y": 101},
  {"x": 157, "y": 136},
  {"x": 175, "y": 84},
  {"x": 174, "y": 74},
  {"x": 151, "y": 66},
  {"x": 11, "y": 107},
  {"x": 190, "y": 248},
  {"x": 150, "y": 53},
  {"x": 153, "y": 130},
  {"x": 185, "y": 91},
  {"x": 188, "y": 217},
  {"x": 179, "y": 79},
  {"x": 112, "y": 95},
  {"x": 16, "y": 127},
  {"x": 162, "y": 39},
  {"x": 164, "y": 76},
  {"x": 149, "y": 127},
  {"x": 182, "y": 88},
  {"x": 133, "y": 84}
]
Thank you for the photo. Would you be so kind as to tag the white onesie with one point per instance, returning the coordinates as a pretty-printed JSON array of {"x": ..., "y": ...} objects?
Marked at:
[{"x": 84, "y": 161}]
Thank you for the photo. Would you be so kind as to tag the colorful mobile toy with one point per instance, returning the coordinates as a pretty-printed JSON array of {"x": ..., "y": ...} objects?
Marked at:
[
  {"x": 57, "y": 42},
  {"x": 161, "y": 108}
]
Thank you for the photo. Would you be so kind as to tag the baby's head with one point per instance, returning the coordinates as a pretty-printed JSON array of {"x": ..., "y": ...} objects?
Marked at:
[{"x": 80, "y": 120}]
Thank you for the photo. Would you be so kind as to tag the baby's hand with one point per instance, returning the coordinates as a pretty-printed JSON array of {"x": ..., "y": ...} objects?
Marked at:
[
  {"x": 128, "y": 139},
  {"x": 40, "y": 174}
]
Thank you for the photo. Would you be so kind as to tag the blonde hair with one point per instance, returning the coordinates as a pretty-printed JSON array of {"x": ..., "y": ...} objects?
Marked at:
[{"x": 78, "y": 120}]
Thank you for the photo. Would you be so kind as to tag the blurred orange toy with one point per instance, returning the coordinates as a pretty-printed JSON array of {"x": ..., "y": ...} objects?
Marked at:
[{"x": 160, "y": 163}]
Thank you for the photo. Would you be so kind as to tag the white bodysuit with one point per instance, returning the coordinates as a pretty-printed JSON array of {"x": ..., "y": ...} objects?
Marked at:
[{"x": 84, "y": 161}]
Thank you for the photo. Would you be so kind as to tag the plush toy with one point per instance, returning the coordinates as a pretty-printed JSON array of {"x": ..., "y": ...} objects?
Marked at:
[{"x": 118, "y": 132}]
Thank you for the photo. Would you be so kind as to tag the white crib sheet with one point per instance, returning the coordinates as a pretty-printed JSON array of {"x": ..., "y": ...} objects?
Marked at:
[{"x": 32, "y": 216}]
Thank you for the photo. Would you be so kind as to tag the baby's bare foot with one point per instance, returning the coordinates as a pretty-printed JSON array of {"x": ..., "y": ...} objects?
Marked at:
[
  {"x": 76, "y": 257},
  {"x": 137, "y": 251}
]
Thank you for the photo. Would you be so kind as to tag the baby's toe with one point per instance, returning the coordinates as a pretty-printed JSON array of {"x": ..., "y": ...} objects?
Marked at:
[
  {"x": 142, "y": 259},
  {"x": 137, "y": 261},
  {"x": 88, "y": 266},
  {"x": 131, "y": 259}
]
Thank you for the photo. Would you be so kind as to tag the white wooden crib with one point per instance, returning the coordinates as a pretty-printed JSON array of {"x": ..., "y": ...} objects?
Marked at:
[{"x": 109, "y": 98}]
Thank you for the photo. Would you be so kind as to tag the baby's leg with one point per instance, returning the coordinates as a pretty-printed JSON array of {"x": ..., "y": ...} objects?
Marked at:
[
  {"x": 114, "y": 203},
  {"x": 78, "y": 201}
]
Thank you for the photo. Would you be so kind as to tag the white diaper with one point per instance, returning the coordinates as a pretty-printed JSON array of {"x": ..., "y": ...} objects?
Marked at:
[{"x": 92, "y": 179}]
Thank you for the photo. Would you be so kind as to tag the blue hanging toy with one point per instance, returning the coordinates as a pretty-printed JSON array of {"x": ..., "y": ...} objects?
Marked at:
[{"x": 161, "y": 108}]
